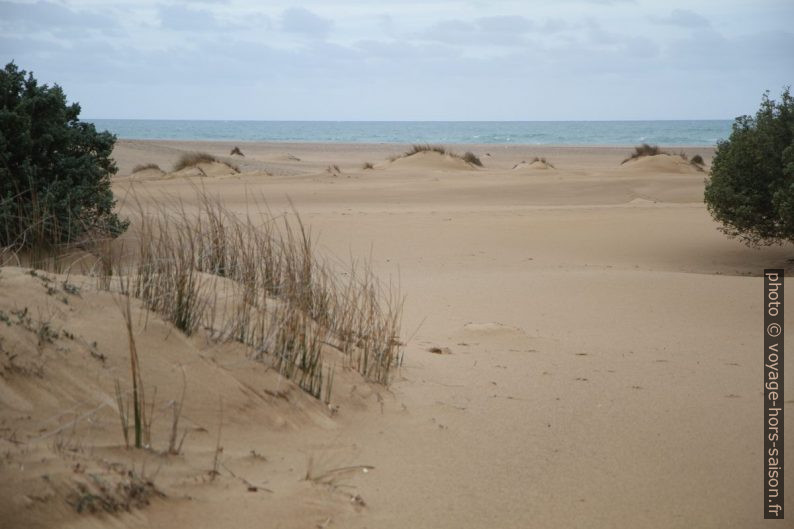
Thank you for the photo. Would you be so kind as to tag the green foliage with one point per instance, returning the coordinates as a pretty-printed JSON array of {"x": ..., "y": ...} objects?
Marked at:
[
  {"x": 54, "y": 169},
  {"x": 751, "y": 186}
]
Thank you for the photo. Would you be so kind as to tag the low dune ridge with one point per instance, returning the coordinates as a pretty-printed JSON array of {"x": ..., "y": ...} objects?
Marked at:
[
  {"x": 205, "y": 169},
  {"x": 660, "y": 163},
  {"x": 147, "y": 171},
  {"x": 431, "y": 161},
  {"x": 536, "y": 164}
]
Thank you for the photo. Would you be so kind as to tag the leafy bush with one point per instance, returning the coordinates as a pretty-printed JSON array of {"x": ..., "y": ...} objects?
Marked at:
[
  {"x": 751, "y": 186},
  {"x": 54, "y": 169}
]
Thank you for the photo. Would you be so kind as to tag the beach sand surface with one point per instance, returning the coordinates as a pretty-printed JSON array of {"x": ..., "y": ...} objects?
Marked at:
[{"x": 601, "y": 367}]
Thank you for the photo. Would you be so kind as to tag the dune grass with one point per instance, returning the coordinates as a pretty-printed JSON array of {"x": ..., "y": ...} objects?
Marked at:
[
  {"x": 193, "y": 159},
  {"x": 653, "y": 150},
  {"x": 644, "y": 150},
  {"x": 471, "y": 158},
  {"x": 257, "y": 280},
  {"x": 368, "y": 165},
  {"x": 145, "y": 167},
  {"x": 468, "y": 157}
]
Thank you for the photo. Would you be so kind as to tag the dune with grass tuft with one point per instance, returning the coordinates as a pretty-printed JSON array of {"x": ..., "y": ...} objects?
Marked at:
[
  {"x": 435, "y": 158},
  {"x": 198, "y": 164},
  {"x": 535, "y": 164}
]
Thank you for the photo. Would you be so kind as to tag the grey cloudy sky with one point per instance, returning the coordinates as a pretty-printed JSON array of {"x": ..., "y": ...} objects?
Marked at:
[{"x": 430, "y": 60}]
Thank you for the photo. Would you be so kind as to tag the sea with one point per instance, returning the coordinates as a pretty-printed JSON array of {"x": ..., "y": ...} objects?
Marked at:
[{"x": 667, "y": 132}]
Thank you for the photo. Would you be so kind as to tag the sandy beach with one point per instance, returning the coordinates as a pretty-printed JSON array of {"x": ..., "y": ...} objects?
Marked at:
[{"x": 582, "y": 349}]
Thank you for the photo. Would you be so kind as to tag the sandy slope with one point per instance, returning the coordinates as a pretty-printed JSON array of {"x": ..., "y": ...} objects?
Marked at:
[{"x": 603, "y": 337}]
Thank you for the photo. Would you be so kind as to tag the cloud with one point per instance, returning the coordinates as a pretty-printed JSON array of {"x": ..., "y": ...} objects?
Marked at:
[
  {"x": 51, "y": 16},
  {"x": 682, "y": 18},
  {"x": 504, "y": 24},
  {"x": 303, "y": 21},
  {"x": 183, "y": 18}
]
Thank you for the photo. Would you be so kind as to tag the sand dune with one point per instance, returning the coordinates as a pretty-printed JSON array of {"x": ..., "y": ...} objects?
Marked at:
[
  {"x": 431, "y": 161},
  {"x": 534, "y": 165},
  {"x": 599, "y": 360},
  {"x": 660, "y": 163}
]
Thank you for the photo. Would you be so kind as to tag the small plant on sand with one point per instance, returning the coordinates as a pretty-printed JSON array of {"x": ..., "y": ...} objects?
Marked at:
[
  {"x": 468, "y": 157},
  {"x": 191, "y": 159},
  {"x": 236, "y": 151},
  {"x": 471, "y": 158},
  {"x": 644, "y": 150},
  {"x": 697, "y": 161},
  {"x": 142, "y": 426},
  {"x": 425, "y": 147},
  {"x": 145, "y": 167},
  {"x": 368, "y": 165},
  {"x": 543, "y": 161}
]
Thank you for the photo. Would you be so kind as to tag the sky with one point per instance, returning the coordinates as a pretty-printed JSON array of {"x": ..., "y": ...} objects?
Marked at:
[{"x": 406, "y": 60}]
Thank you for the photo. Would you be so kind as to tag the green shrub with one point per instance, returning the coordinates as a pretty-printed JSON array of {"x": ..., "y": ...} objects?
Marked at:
[
  {"x": 751, "y": 185},
  {"x": 54, "y": 169}
]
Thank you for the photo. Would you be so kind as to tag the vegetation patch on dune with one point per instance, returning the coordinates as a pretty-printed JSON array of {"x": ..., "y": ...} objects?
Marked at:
[
  {"x": 194, "y": 159},
  {"x": 537, "y": 161},
  {"x": 146, "y": 167},
  {"x": 645, "y": 149},
  {"x": 468, "y": 157},
  {"x": 259, "y": 283}
]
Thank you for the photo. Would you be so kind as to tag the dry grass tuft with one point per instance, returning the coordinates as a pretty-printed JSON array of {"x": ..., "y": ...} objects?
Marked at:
[
  {"x": 146, "y": 167},
  {"x": 698, "y": 162},
  {"x": 653, "y": 150},
  {"x": 468, "y": 157},
  {"x": 191, "y": 159},
  {"x": 368, "y": 165},
  {"x": 256, "y": 280},
  {"x": 644, "y": 150},
  {"x": 236, "y": 151},
  {"x": 471, "y": 158}
]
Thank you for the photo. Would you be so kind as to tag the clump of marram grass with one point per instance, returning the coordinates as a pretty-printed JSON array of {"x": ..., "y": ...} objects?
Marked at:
[
  {"x": 468, "y": 157},
  {"x": 425, "y": 147},
  {"x": 653, "y": 150},
  {"x": 236, "y": 151},
  {"x": 145, "y": 167},
  {"x": 543, "y": 161},
  {"x": 191, "y": 159},
  {"x": 644, "y": 150},
  {"x": 698, "y": 162},
  {"x": 471, "y": 158},
  {"x": 261, "y": 283},
  {"x": 256, "y": 280},
  {"x": 368, "y": 165}
]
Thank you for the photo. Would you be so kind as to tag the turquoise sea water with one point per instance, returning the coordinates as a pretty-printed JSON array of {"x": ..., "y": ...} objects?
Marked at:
[{"x": 698, "y": 132}]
